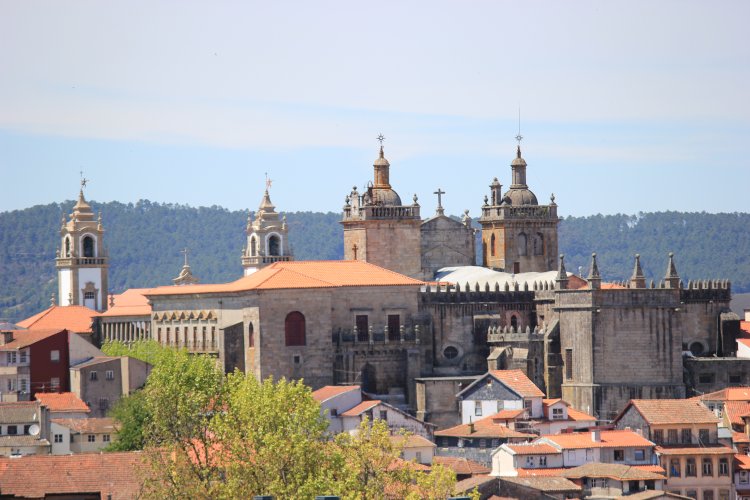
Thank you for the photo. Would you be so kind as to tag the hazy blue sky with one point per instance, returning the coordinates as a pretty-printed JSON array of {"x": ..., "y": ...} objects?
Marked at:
[{"x": 626, "y": 106}]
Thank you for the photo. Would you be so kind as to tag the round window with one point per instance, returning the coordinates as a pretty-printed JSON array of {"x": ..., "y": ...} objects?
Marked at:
[
  {"x": 696, "y": 348},
  {"x": 450, "y": 352}
]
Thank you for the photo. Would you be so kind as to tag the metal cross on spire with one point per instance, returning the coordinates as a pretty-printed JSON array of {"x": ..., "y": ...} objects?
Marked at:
[
  {"x": 439, "y": 194},
  {"x": 381, "y": 138},
  {"x": 268, "y": 182},
  {"x": 84, "y": 180},
  {"x": 519, "y": 137},
  {"x": 185, "y": 252}
]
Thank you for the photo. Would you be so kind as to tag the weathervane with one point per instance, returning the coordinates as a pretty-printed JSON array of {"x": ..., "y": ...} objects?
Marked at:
[
  {"x": 381, "y": 138},
  {"x": 519, "y": 137},
  {"x": 84, "y": 180},
  {"x": 268, "y": 182}
]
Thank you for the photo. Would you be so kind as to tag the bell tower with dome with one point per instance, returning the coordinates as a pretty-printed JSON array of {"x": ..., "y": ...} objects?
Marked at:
[
  {"x": 267, "y": 237},
  {"x": 82, "y": 261},
  {"x": 378, "y": 228},
  {"x": 518, "y": 234}
]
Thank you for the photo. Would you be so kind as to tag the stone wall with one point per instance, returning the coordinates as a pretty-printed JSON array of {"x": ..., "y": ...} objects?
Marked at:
[
  {"x": 703, "y": 375},
  {"x": 436, "y": 399},
  {"x": 445, "y": 243},
  {"x": 388, "y": 243}
]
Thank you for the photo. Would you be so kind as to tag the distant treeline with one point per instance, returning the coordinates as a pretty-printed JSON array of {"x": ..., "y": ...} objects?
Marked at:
[{"x": 144, "y": 242}]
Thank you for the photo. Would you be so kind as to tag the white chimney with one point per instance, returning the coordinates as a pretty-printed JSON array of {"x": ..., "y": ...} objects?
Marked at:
[
  {"x": 747, "y": 314},
  {"x": 596, "y": 435}
]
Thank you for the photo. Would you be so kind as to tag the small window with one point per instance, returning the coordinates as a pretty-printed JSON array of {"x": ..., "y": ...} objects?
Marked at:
[
  {"x": 569, "y": 364},
  {"x": 529, "y": 461},
  {"x": 294, "y": 329},
  {"x": 394, "y": 327},
  {"x": 690, "y": 469},
  {"x": 658, "y": 436},
  {"x": 58, "y": 438},
  {"x": 105, "y": 438},
  {"x": 12, "y": 430},
  {"x": 54, "y": 382},
  {"x": 543, "y": 461},
  {"x": 639, "y": 455},
  {"x": 23, "y": 384},
  {"x": 383, "y": 415},
  {"x": 703, "y": 436},
  {"x": 24, "y": 356},
  {"x": 11, "y": 357},
  {"x": 89, "y": 295},
  {"x": 91, "y": 438},
  {"x": 686, "y": 436},
  {"x": 477, "y": 408},
  {"x": 361, "y": 321},
  {"x": 250, "y": 335},
  {"x": 735, "y": 379},
  {"x": 333, "y": 412},
  {"x": 557, "y": 414},
  {"x": 103, "y": 403},
  {"x": 297, "y": 359},
  {"x": 619, "y": 455},
  {"x": 672, "y": 436},
  {"x": 54, "y": 356},
  {"x": 483, "y": 443},
  {"x": 93, "y": 376},
  {"x": 419, "y": 456},
  {"x": 706, "y": 378},
  {"x": 723, "y": 466},
  {"x": 674, "y": 468},
  {"x": 88, "y": 246},
  {"x": 708, "y": 495},
  {"x": 109, "y": 374}
]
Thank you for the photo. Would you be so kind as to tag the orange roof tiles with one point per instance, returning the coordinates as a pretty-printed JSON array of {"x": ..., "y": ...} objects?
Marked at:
[
  {"x": 745, "y": 327},
  {"x": 518, "y": 382},
  {"x": 742, "y": 461},
  {"x": 548, "y": 472},
  {"x": 618, "y": 472},
  {"x": 131, "y": 302},
  {"x": 62, "y": 401},
  {"x": 740, "y": 437},
  {"x": 88, "y": 425},
  {"x": 461, "y": 465},
  {"x": 734, "y": 410},
  {"x": 508, "y": 414},
  {"x": 745, "y": 342},
  {"x": 301, "y": 274},
  {"x": 579, "y": 416},
  {"x": 727, "y": 394},
  {"x": 694, "y": 450},
  {"x": 74, "y": 318},
  {"x": 533, "y": 449},
  {"x": 361, "y": 408},
  {"x": 327, "y": 392},
  {"x": 487, "y": 427},
  {"x": 25, "y": 338},
  {"x": 672, "y": 411},
  {"x": 608, "y": 439},
  {"x": 37, "y": 476},
  {"x": 412, "y": 441}
]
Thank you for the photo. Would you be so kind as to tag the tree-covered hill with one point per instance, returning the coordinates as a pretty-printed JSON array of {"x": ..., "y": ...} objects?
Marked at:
[{"x": 144, "y": 242}]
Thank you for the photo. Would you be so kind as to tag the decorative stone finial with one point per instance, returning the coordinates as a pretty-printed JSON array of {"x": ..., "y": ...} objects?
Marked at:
[
  {"x": 562, "y": 274},
  {"x": 637, "y": 280},
  {"x": 415, "y": 199},
  {"x": 672, "y": 279},
  {"x": 594, "y": 278}
]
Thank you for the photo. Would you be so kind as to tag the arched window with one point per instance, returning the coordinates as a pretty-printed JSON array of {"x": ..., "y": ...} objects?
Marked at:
[
  {"x": 514, "y": 321},
  {"x": 88, "y": 246},
  {"x": 492, "y": 245},
  {"x": 274, "y": 245},
  {"x": 522, "y": 244},
  {"x": 294, "y": 329},
  {"x": 250, "y": 336},
  {"x": 539, "y": 244},
  {"x": 67, "y": 247},
  {"x": 253, "y": 247}
]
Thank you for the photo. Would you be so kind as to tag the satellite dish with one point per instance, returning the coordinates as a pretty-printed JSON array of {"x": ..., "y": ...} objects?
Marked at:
[{"x": 34, "y": 429}]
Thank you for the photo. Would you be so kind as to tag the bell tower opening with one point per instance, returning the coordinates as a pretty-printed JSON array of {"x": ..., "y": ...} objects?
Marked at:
[{"x": 267, "y": 237}]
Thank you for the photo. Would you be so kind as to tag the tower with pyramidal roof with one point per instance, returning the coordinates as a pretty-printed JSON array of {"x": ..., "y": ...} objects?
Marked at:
[{"x": 267, "y": 240}]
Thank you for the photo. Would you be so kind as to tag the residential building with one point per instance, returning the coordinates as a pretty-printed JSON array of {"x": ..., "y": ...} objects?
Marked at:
[
  {"x": 605, "y": 480},
  {"x": 88, "y": 435},
  {"x": 415, "y": 448},
  {"x": 742, "y": 476},
  {"x": 63, "y": 405},
  {"x": 559, "y": 416},
  {"x": 336, "y": 399},
  {"x": 24, "y": 429},
  {"x": 33, "y": 361},
  {"x": 103, "y": 380},
  {"x": 538, "y": 488},
  {"x": 500, "y": 390}
]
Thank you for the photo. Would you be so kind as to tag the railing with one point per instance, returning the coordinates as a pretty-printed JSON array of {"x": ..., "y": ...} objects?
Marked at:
[
  {"x": 381, "y": 212},
  {"x": 375, "y": 335},
  {"x": 81, "y": 261},
  {"x": 265, "y": 259},
  {"x": 511, "y": 212}
]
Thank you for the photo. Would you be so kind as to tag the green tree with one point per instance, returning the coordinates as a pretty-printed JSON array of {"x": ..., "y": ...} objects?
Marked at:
[{"x": 132, "y": 414}]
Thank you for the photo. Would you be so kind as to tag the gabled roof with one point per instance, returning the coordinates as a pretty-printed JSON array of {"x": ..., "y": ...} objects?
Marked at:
[
  {"x": 608, "y": 439},
  {"x": 96, "y": 360},
  {"x": 579, "y": 416},
  {"x": 36, "y": 476},
  {"x": 541, "y": 472},
  {"x": 740, "y": 437},
  {"x": 329, "y": 391},
  {"x": 19, "y": 412},
  {"x": 25, "y": 338},
  {"x": 735, "y": 410},
  {"x": 131, "y": 302},
  {"x": 88, "y": 425},
  {"x": 361, "y": 408},
  {"x": 726, "y": 394},
  {"x": 515, "y": 380},
  {"x": 468, "y": 484},
  {"x": 300, "y": 275},
  {"x": 74, "y": 318},
  {"x": 412, "y": 441},
  {"x": 697, "y": 449},
  {"x": 618, "y": 472},
  {"x": 487, "y": 427},
  {"x": 461, "y": 465},
  {"x": 742, "y": 461},
  {"x": 62, "y": 401},
  {"x": 543, "y": 483},
  {"x": 671, "y": 411}
]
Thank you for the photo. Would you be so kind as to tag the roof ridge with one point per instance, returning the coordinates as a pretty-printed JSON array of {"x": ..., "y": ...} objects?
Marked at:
[{"x": 281, "y": 268}]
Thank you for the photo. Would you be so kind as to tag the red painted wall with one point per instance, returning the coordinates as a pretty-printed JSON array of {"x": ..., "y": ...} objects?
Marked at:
[{"x": 42, "y": 369}]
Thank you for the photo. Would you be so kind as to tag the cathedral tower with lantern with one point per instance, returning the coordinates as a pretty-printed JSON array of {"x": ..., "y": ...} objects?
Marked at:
[
  {"x": 267, "y": 237},
  {"x": 82, "y": 261}
]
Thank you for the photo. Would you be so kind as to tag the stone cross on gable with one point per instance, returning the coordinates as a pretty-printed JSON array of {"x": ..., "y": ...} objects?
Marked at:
[
  {"x": 440, "y": 194},
  {"x": 354, "y": 249},
  {"x": 185, "y": 252}
]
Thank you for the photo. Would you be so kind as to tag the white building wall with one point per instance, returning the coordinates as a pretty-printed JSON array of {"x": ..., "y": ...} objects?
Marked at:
[
  {"x": 489, "y": 407},
  {"x": 65, "y": 286},
  {"x": 94, "y": 275},
  {"x": 60, "y": 448}
]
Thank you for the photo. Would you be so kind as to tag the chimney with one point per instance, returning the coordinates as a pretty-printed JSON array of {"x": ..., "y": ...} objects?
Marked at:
[
  {"x": 747, "y": 314},
  {"x": 471, "y": 427},
  {"x": 6, "y": 337},
  {"x": 596, "y": 435}
]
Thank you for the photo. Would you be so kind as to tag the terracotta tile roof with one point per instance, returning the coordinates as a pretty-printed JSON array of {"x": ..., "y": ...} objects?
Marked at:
[
  {"x": 543, "y": 483},
  {"x": 36, "y": 476},
  {"x": 88, "y": 425},
  {"x": 461, "y": 465},
  {"x": 131, "y": 302},
  {"x": 740, "y": 437},
  {"x": 25, "y": 338},
  {"x": 742, "y": 461},
  {"x": 508, "y": 414},
  {"x": 74, "y": 318},
  {"x": 745, "y": 327},
  {"x": 533, "y": 449},
  {"x": 96, "y": 360},
  {"x": 487, "y": 427},
  {"x": 22, "y": 440},
  {"x": 727, "y": 394},
  {"x": 612, "y": 286},
  {"x": 412, "y": 441},
  {"x": 400, "y": 463},
  {"x": 517, "y": 381},
  {"x": 618, "y": 472},
  {"x": 654, "y": 494},
  {"x": 62, "y": 401},
  {"x": 546, "y": 472},
  {"x": 301, "y": 274},
  {"x": 579, "y": 416},
  {"x": 657, "y": 469},
  {"x": 20, "y": 412},
  {"x": 361, "y": 408},
  {"x": 694, "y": 450},
  {"x": 734, "y": 410},
  {"x": 608, "y": 439},
  {"x": 468, "y": 484},
  {"x": 549, "y": 402},
  {"x": 745, "y": 342},
  {"x": 672, "y": 411},
  {"x": 327, "y": 392}
]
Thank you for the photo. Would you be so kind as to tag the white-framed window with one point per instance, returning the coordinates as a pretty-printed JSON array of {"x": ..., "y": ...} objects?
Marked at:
[
  {"x": 91, "y": 438},
  {"x": 419, "y": 456},
  {"x": 529, "y": 461},
  {"x": 11, "y": 384},
  {"x": 54, "y": 355},
  {"x": 500, "y": 405},
  {"x": 58, "y": 438},
  {"x": 23, "y": 384},
  {"x": 109, "y": 374},
  {"x": 11, "y": 357},
  {"x": 105, "y": 438},
  {"x": 477, "y": 408},
  {"x": 543, "y": 461},
  {"x": 557, "y": 414},
  {"x": 24, "y": 355}
]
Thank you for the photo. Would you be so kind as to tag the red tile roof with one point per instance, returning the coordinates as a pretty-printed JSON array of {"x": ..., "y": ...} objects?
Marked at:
[
  {"x": 508, "y": 414},
  {"x": 361, "y": 408},
  {"x": 579, "y": 416},
  {"x": 461, "y": 465},
  {"x": 742, "y": 461},
  {"x": 412, "y": 441},
  {"x": 533, "y": 449},
  {"x": 727, "y": 394},
  {"x": 745, "y": 342},
  {"x": 327, "y": 392},
  {"x": 25, "y": 338},
  {"x": 62, "y": 401},
  {"x": 131, "y": 302},
  {"x": 745, "y": 327},
  {"x": 618, "y": 472},
  {"x": 35, "y": 476},
  {"x": 517, "y": 381},
  {"x": 88, "y": 425},
  {"x": 672, "y": 411},
  {"x": 734, "y": 410},
  {"x": 547, "y": 472},
  {"x": 740, "y": 437},
  {"x": 74, "y": 318},
  {"x": 486, "y": 427},
  {"x": 608, "y": 439},
  {"x": 301, "y": 274},
  {"x": 694, "y": 450}
]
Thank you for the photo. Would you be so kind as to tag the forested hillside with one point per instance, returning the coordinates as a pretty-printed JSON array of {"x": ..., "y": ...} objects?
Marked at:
[{"x": 144, "y": 242}]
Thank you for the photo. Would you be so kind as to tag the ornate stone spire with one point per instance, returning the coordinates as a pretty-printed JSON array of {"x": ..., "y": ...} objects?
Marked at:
[
  {"x": 562, "y": 274},
  {"x": 594, "y": 279},
  {"x": 186, "y": 275},
  {"x": 637, "y": 280},
  {"x": 381, "y": 176},
  {"x": 672, "y": 279}
]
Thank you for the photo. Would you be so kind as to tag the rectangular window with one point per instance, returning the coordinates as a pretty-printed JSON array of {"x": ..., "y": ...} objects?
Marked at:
[
  {"x": 569, "y": 364},
  {"x": 723, "y": 466},
  {"x": 109, "y": 375},
  {"x": 708, "y": 495},
  {"x": 394, "y": 326},
  {"x": 54, "y": 356},
  {"x": 674, "y": 467},
  {"x": 24, "y": 356},
  {"x": 477, "y": 408},
  {"x": 691, "y": 494},
  {"x": 11, "y": 384},
  {"x": 686, "y": 437},
  {"x": 103, "y": 403},
  {"x": 93, "y": 376},
  {"x": 23, "y": 384},
  {"x": 708, "y": 467},
  {"x": 12, "y": 430},
  {"x": 527, "y": 405},
  {"x": 743, "y": 476},
  {"x": 11, "y": 357},
  {"x": 500, "y": 405},
  {"x": 91, "y": 438},
  {"x": 557, "y": 414},
  {"x": 483, "y": 443},
  {"x": 362, "y": 323},
  {"x": 383, "y": 415},
  {"x": 105, "y": 438},
  {"x": 658, "y": 436},
  {"x": 723, "y": 494},
  {"x": 589, "y": 455},
  {"x": 690, "y": 469},
  {"x": 706, "y": 378},
  {"x": 735, "y": 379},
  {"x": 703, "y": 436},
  {"x": 529, "y": 461},
  {"x": 54, "y": 382},
  {"x": 672, "y": 436},
  {"x": 639, "y": 455},
  {"x": 543, "y": 461},
  {"x": 419, "y": 457},
  {"x": 619, "y": 455},
  {"x": 58, "y": 438}
]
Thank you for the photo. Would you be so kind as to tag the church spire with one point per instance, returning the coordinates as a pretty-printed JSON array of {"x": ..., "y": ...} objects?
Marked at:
[
  {"x": 381, "y": 176},
  {"x": 637, "y": 280}
]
